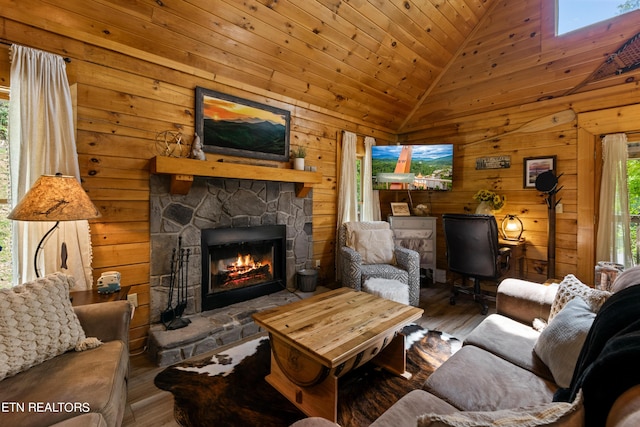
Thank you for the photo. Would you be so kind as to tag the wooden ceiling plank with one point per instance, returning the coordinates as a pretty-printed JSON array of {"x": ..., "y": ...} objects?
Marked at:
[
  {"x": 425, "y": 36},
  {"x": 393, "y": 32},
  {"x": 437, "y": 79},
  {"x": 397, "y": 73},
  {"x": 317, "y": 18},
  {"x": 431, "y": 19}
]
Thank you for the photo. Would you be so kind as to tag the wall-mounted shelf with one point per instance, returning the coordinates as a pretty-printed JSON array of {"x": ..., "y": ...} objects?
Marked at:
[{"x": 182, "y": 172}]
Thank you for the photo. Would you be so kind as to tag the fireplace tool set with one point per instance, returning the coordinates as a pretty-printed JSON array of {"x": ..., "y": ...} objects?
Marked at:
[{"x": 172, "y": 316}]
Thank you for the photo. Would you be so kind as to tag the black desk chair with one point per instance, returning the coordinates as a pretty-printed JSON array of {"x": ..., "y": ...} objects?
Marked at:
[{"x": 473, "y": 252}]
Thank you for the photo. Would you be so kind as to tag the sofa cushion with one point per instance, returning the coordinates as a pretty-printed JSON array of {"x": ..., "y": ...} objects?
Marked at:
[
  {"x": 476, "y": 380},
  {"x": 548, "y": 414},
  {"x": 37, "y": 323},
  {"x": 560, "y": 343},
  {"x": 511, "y": 340},
  {"x": 92, "y": 380},
  {"x": 571, "y": 287},
  {"x": 405, "y": 412}
]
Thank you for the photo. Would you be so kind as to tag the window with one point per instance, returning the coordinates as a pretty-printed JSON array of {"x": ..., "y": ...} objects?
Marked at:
[
  {"x": 6, "y": 272},
  {"x": 574, "y": 14},
  {"x": 633, "y": 182}
]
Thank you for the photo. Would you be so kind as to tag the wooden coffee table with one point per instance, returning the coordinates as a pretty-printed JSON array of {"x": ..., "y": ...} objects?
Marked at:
[{"x": 317, "y": 340}]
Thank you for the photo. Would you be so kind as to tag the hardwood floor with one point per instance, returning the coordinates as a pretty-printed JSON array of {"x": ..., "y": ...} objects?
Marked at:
[{"x": 148, "y": 406}]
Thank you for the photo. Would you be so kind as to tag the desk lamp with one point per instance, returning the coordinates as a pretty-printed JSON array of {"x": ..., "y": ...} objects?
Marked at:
[
  {"x": 512, "y": 227},
  {"x": 54, "y": 198}
]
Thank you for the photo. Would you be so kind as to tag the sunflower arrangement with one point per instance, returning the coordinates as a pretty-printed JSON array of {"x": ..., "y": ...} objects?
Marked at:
[{"x": 495, "y": 200}]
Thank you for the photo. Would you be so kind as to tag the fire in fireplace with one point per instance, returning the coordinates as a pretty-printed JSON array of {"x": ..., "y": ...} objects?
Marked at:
[{"x": 241, "y": 263}]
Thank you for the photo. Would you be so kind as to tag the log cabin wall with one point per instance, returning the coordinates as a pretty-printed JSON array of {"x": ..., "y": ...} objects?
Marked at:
[
  {"x": 134, "y": 67},
  {"x": 575, "y": 228},
  {"x": 122, "y": 103}
]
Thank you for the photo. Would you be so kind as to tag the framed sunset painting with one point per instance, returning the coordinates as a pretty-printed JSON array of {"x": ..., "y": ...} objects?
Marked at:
[{"x": 238, "y": 127}]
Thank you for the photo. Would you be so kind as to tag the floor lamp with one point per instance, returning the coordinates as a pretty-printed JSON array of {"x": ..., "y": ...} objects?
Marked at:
[{"x": 54, "y": 198}]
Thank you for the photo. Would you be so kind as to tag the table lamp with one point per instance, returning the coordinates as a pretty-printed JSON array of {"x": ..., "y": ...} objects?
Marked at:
[
  {"x": 512, "y": 227},
  {"x": 54, "y": 198}
]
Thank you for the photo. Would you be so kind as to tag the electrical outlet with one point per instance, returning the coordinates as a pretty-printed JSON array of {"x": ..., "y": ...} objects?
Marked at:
[
  {"x": 317, "y": 263},
  {"x": 133, "y": 299},
  {"x": 559, "y": 208}
]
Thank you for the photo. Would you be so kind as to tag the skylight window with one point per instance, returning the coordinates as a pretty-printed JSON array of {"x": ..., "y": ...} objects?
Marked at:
[{"x": 574, "y": 14}]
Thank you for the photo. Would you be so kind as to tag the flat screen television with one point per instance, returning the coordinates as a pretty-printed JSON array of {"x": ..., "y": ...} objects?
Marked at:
[{"x": 412, "y": 167}]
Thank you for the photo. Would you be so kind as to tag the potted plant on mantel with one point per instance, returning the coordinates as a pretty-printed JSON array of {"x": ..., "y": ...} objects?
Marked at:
[{"x": 298, "y": 155}]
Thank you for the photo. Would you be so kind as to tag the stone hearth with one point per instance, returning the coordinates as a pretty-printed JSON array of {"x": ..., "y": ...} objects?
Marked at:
[{"x": 215, "y": 328}]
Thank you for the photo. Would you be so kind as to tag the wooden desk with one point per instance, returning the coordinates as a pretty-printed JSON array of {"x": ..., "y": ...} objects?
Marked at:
[
  {"x": 93, "y": 297},
  {"x": 319, "y": 339},
  {"x": 518, "y": 255}
]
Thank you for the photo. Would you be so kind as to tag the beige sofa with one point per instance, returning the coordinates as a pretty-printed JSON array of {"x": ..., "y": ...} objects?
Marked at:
[
  {"x": 83, "y": 388},
  {"x": 497, "y": 371}
]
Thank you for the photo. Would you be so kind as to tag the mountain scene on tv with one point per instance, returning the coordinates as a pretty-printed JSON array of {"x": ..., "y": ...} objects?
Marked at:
[
  {"x": 240, "y": 127},
  {"x": 412, "y": 167}
]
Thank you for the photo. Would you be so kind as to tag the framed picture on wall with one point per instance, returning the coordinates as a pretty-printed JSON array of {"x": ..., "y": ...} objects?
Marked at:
[
  {"x": 534, "y": 166},
  {"x": 234, "y": 126},
  {"x": 400, "y": 209}
]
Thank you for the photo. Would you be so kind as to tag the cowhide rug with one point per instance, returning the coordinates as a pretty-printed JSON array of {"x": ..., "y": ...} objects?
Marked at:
[{"x": 228, "y": 389}]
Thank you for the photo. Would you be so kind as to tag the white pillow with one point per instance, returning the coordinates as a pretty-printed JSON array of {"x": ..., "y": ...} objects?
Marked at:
[
  {"x": 559, "y": 344},
  {"x": 375, "y": 246},
  {"x": 571, "y": 287},
  {"x": 547, "y": 414},
  {"x": 37, "y": 323}
]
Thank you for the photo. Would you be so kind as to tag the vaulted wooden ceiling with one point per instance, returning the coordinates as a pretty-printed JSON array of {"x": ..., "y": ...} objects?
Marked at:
[{"x": 394, "y": 64}]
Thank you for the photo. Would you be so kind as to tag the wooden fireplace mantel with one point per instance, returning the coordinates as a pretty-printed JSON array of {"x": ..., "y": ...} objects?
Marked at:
[{"x": 183, "y": 170}]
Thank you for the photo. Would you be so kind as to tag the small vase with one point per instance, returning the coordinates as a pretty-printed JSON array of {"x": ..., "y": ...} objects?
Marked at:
[
  {"x": 484, "y": 208},
  {"x": 298, "y": 163}
]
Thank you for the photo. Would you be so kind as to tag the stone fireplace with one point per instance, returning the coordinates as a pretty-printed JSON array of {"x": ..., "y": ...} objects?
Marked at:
[{"x": 229, "y": 208}]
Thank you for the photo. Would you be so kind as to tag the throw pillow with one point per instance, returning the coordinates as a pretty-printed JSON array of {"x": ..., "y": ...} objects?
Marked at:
[
  {"x": 571, "y": 287},
  {"x": 375, "y": 246},
  {"x": 559, "y": 345},
  {"x": 548, "y": 414},
  {"x": 37, "y": 323}
]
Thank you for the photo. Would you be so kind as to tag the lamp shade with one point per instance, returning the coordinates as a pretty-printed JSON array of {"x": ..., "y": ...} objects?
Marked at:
[
  {"x": 55, "y": 198},
  {"x": 512, "y": 227}
]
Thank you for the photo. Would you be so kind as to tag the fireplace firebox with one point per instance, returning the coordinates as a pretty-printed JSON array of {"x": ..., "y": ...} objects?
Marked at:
[{"x": 241, "y": 263}]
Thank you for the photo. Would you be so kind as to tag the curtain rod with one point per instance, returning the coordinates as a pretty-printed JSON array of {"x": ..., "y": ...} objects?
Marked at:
[
  {"x": 635, "y": 132},
  {"x": 8, "y": 43}
]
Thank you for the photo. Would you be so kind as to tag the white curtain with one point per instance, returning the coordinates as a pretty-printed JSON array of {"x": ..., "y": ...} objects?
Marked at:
[
  {"x": 370, "y": 207},
  {"x": 347, "y": 194},
  {"x": 42, "y": 142},
  {"x": 613, "y": 242},
  {"x": 347, "y": 191}
]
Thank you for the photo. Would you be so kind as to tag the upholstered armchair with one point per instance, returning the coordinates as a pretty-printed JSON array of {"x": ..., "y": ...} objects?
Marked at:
[{"x": 367, "y": 250}]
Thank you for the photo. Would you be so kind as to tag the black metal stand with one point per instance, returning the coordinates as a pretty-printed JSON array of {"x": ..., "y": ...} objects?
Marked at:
[
  {"x": 41, "y": 246},
  {"x": 547, "y": 182}
]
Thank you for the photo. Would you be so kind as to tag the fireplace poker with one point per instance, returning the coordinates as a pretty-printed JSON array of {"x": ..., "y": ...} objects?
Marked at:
[
  {"x": 179, "y": 274},
  {"x": 168, "y": 315},
  {"x": 182, "y": 288}
]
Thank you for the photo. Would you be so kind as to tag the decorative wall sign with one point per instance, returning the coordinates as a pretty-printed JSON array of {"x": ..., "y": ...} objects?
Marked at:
[
  {"x": 534, "y": 166},
  {"x": 496, "y": 162},
  {"x": 238, "y": 127}
]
